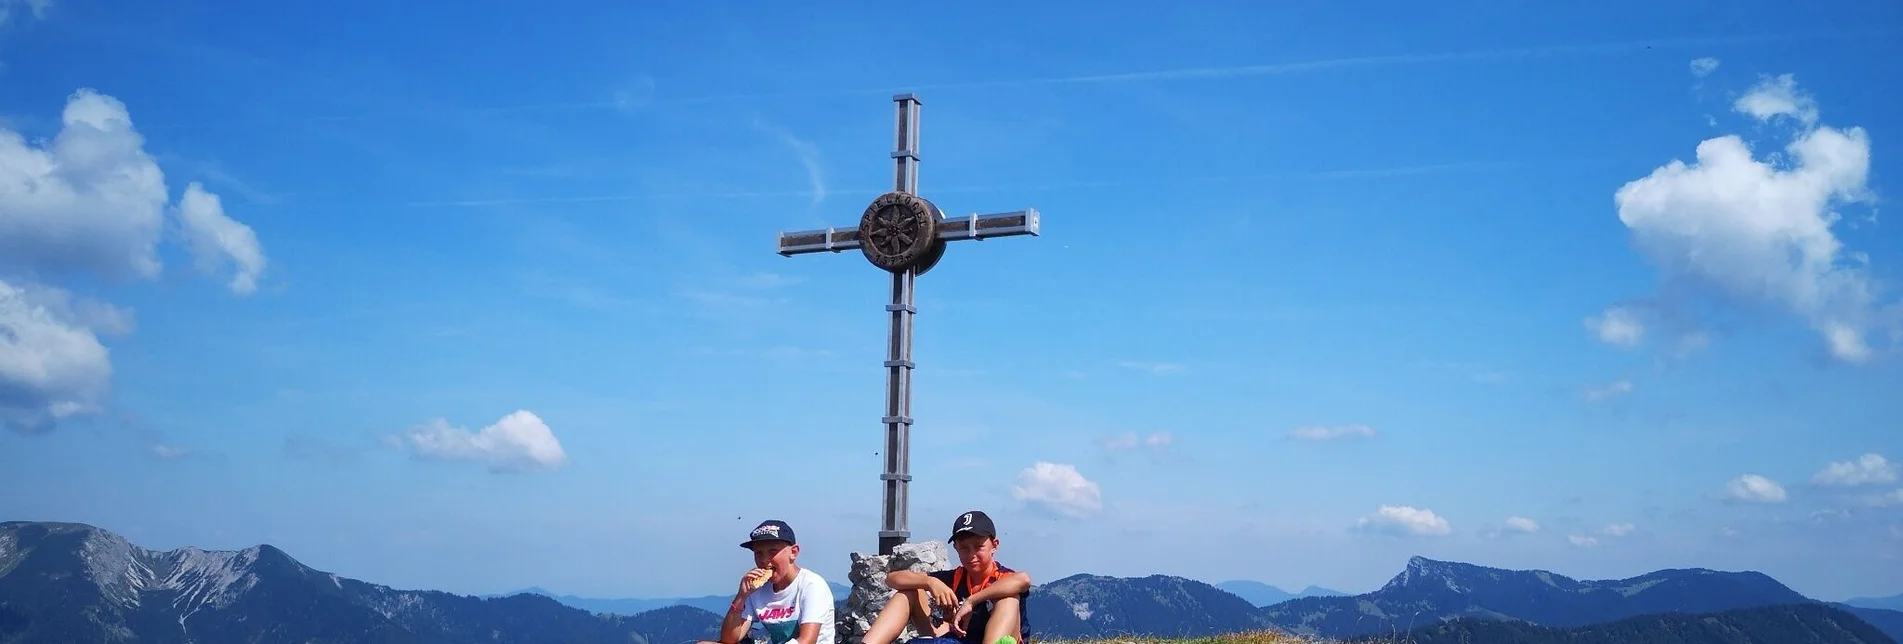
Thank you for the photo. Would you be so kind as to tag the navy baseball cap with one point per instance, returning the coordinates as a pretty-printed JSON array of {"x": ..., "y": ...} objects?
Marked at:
[
  {"x": 973, "y": 522},
  {"x": 769, "y": 530}
]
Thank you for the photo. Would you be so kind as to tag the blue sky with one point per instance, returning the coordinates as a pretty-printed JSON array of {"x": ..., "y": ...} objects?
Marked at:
[{"x": 1321, "y": 286}]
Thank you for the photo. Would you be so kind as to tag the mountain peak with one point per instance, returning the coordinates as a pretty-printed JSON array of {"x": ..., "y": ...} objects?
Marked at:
[{"x": 1422, "y": 572}]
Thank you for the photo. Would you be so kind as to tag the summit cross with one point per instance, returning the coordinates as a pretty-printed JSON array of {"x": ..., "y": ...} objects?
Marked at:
[{"x": 905, "y": 235}]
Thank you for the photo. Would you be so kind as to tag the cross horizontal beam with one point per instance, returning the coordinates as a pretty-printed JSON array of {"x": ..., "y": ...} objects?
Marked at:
[{"x": 972, "y": 227}]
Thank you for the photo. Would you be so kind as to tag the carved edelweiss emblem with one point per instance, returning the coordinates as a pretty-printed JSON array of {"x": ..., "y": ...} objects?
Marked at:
[{"x": 899, "y": 231}]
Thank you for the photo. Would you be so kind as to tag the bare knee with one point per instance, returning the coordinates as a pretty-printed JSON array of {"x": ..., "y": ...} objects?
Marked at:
[{"x": 1005, "y": 619}]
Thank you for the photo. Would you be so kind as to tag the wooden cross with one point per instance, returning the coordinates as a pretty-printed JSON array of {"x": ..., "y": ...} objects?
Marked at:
[{"x": 906, "y": 235}]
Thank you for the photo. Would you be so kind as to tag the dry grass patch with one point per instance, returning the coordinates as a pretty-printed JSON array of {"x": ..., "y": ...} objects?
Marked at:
[{"x": 1250, "y": 637}]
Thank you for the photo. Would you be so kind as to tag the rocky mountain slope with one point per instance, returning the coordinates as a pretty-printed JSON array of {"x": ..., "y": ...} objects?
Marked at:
[
  {"x": 1810, "y": 623},
  {"x": 64, "y": 582},
  {"x": 1430, "y": 591}
]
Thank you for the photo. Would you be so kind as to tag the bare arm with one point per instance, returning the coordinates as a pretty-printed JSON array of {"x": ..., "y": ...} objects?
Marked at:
[
  {"x": 808, "y": 633},
  {"x": 907, "y": 580},
  {"x": 734, "y": 626}
]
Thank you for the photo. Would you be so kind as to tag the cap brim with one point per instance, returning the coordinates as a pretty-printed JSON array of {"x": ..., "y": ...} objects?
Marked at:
[{"x": 975, "y": 531}]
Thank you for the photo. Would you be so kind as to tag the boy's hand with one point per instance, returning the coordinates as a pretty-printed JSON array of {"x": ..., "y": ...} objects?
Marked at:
[
  {"x": 753, "y": 580},
  {"x": 941, "y": 593},
  {"x": 960, "y": 618}
]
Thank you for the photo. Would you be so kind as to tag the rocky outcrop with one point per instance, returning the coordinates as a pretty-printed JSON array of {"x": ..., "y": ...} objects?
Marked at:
[{"x": 869, "y": 592}]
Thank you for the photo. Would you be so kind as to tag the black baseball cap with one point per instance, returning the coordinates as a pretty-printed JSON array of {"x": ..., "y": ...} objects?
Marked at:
[
  {"x": 973, "y": 522},
  {"x": 769, "y": 530}
]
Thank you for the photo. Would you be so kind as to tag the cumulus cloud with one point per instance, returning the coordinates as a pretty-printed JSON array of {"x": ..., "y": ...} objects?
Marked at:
[
  {"x": 1340, "y": 432},
  {"x": 519, "y": 442},
  {"x": 1513, "y": 525},
  {"x": 1702, "y": 67},
  {"x": 216, "y": 240},
  {"x": 1582, "y": 541},
  {"x": 1618, "y": 327},
  {"x": 1753, "y": 488},
  {"x": 1869, "y": 469},
  {"x": 1058, "y": 488},
  {"x": 1618, "y": 529},
  {"x": 52, "y": 364},
  {"x": 1759, "y": 231},
  {"x": 92, "y": 199},
  {"x": 88, "y": 200},
  {"x": 1778, "y": 96},
  {"x": 1401, "y": 520}
]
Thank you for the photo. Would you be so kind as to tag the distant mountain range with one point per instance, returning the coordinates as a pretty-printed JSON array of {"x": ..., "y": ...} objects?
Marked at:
[
  {"x": 716, "y": 604},
  {"x": 1789, "y": 624},
  {"x": 1262, "y": 594},
  {"x": 65, "y": 582},
  {"x": 1893, "y": 602},
  {"x": 1428, "y": 592}
]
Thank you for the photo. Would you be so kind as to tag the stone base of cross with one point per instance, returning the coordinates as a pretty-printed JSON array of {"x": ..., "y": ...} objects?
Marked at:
[{"x": 906, "y": 235}]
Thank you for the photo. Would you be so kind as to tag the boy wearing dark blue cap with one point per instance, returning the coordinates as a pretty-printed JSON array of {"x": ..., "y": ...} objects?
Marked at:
[
  {"x": 983, "y": 600},
  {"x": 793, "y": 605}
]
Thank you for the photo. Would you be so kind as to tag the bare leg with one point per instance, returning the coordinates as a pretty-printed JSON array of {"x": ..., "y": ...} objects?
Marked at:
[
  {"x": 913, "y": 606},
  {"x": 1005, "y": 617}
]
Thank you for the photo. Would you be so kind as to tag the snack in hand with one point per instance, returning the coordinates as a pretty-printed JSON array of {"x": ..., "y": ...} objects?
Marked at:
[{"x": 756, "y": 582}]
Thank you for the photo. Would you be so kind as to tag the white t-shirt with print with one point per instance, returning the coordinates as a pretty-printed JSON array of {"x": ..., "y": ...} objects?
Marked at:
[{"x": 807, "y": 600}]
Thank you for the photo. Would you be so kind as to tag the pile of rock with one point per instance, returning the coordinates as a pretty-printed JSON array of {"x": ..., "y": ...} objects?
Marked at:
[{"x": 869, "y": 592}]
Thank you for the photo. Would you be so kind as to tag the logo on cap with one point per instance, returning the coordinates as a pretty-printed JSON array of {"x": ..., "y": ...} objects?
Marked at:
[{"x": 770, "y": 530}]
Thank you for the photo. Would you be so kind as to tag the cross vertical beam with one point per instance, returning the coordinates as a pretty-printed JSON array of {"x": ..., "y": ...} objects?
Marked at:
[
  {"x": 906, "y": 235},
  {"x": 893, "y": 529}
]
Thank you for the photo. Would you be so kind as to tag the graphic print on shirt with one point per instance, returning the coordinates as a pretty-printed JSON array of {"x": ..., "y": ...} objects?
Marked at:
[{"x": 779, "y": 614}]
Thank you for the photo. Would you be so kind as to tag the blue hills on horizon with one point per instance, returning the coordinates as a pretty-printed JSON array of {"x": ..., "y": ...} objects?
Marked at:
[
  {"x": 716, "y": 604},
  {"x": 1256, "y": 593}
]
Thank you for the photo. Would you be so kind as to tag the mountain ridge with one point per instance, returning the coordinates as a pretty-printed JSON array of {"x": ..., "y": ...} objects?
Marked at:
[
  {"x": 75, "y": 582},
  {"x": 69, "y": 582}
]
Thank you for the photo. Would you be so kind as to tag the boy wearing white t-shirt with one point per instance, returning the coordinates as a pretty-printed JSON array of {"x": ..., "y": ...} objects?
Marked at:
[{"x": 792, "y": 605}]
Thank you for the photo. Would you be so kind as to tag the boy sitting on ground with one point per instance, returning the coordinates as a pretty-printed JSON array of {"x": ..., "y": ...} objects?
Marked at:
[
  {"x": 793, "y": 605},
  {"x": 985, "y": 600}
]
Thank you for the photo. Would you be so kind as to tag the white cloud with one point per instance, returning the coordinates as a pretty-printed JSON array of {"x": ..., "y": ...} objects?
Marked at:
[
  {"x": 216, "y": 240},
  {"x": 88, "y": 200},
  {"x": 1868, "y": 469},
  {"x": 1618, "y": 326},
  {"x": 1405, "y": 521},
  {"x": 1888, "y": 499},
  {"x": 1058, "y": 488},
  {"x": 1522, "y": 524},
  {"x": 518, "y": 442},
  {"x": 1319, "y": 433},
  {"x": 1618, "y": 529},
  {"x": 52, "y": 366},
  {"x": 1582, "y": 541},
  {"x": 1612, "y": 390},
  {"x": 1755, "y": 489},
  {"x": 1778, "y": 96},
  {"x": 1702, "y": 67},
  {"x": 1760, "y": 231},
  {"x": 91, "y": 200}
]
